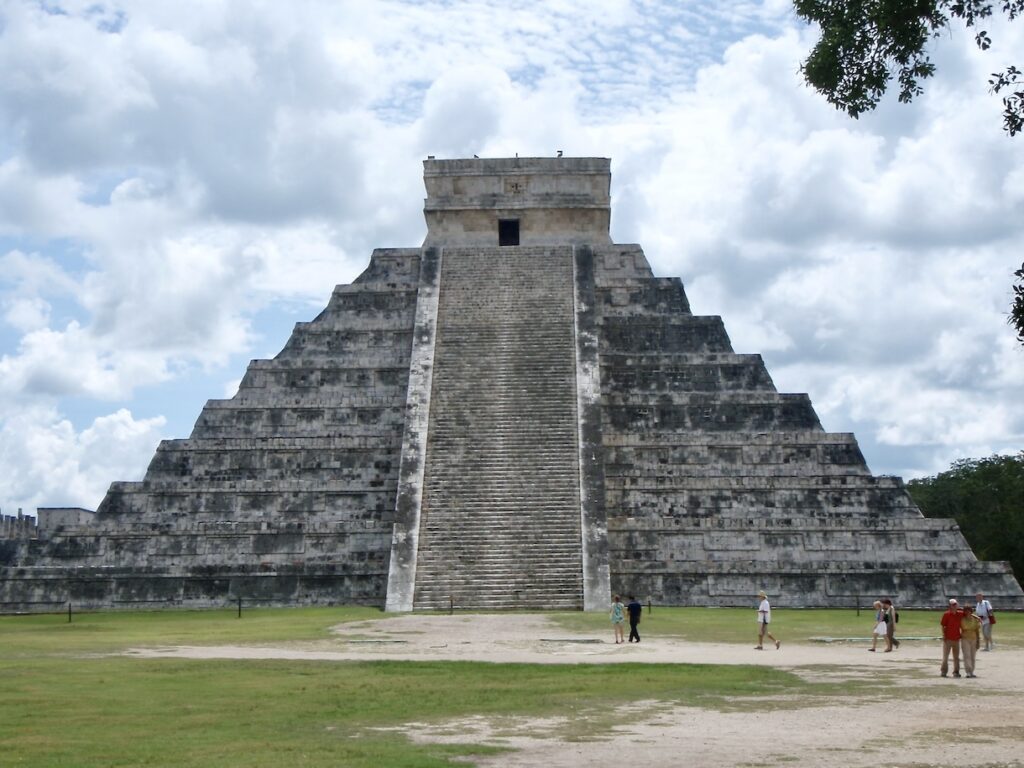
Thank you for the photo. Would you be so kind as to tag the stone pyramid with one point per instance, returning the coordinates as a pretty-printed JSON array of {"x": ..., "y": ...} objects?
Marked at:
[{"x": 516, "y": 415}]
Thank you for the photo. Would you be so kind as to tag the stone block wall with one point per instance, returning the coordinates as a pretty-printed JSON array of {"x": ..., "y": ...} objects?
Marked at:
[
  {"x": 283, "y": 494},
  {"x": 553, "y": 201},
  {"x": 717, "y": 485}
]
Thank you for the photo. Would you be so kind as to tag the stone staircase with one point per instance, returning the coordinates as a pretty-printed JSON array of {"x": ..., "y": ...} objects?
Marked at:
[{"x": 500, "y": 524}]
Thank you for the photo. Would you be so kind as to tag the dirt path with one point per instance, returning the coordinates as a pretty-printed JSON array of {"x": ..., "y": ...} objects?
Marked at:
[{"x": 958, "y": 722}]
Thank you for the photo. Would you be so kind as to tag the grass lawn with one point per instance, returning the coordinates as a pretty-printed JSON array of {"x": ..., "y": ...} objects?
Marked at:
[
  {"x": 116, "y": 630},
  {"x": 66, "y": 702}
]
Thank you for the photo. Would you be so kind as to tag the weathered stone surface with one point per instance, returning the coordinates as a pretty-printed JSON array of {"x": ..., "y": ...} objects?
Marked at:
[
  {"x": 284, "y": 493},
  {"x": 501, "y": 520},
  {"x": 718, "y": 486},
  {"x": 552, "y": 201},
  {"x": 507, "y": 426},
  {"x": 409, "y": 504}
]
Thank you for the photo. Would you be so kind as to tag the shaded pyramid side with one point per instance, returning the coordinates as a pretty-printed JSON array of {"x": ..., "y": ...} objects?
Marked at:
[
  {"x": 284, "y": 493},
  {"x": 717, "y": 485}
]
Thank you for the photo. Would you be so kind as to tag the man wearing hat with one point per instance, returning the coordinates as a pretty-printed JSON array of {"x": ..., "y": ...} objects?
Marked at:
[{"x": 950, "y": 623}]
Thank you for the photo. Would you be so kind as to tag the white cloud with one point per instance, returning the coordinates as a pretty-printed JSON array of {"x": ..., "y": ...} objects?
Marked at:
[
  {"x": 53, "y": 364},
  {"x": 44, "y": 462},
  {"x": 35, "y": 204},
  {"x": 462, "y": 110},
  {"x": 26, "y": 314}
]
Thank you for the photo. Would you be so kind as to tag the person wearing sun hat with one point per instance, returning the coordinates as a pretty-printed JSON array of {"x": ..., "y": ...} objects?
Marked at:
[
  {"x": 970, "y": 637},
  {"x": 764, "y": 618},
  {"x": 950, "y": 623}
]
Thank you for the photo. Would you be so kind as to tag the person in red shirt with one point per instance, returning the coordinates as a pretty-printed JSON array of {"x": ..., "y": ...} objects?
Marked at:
[{"x": 950, "y": 623}]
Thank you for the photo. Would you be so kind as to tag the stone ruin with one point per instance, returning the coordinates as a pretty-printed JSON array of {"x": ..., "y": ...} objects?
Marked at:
[
  {"x": 20, "y": 526},
  {"x": 518, "y": 414}
]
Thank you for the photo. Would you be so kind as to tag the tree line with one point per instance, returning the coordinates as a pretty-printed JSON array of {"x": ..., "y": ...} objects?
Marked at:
[{"x": 986, "y": 498}]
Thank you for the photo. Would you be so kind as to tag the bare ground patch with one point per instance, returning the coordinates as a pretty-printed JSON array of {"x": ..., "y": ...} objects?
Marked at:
[{"x": 910, "y": 719}]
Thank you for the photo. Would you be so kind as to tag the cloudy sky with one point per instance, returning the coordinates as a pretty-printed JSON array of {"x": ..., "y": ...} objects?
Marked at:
[{"x": 181, "y": 182}]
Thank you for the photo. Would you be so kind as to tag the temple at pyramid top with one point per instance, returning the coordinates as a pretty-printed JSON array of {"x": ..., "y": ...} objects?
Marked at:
[{"x": 517, "y": 201}]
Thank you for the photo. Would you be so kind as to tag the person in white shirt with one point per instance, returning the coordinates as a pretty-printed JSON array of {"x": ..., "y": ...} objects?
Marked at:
[
  {"x": 879, "y": 629},
  {"x": 983, "y": 610},
  {"x": 764, "y": 618}
]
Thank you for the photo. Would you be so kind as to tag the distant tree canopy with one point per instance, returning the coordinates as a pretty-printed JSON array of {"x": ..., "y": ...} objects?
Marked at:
[
  {"x": 866, "y": 43},
  {"x": 986, "y": 498}
]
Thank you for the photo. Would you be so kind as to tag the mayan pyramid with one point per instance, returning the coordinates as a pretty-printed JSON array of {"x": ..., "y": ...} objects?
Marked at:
[{"x": 517, "y": 414}]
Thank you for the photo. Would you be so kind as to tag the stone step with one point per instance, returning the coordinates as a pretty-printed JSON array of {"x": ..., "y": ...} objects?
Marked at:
[
  {"x": 501, "y": 583},
  {"x": 466, "y": 470},
  {"x": 500, "y": 449},
  {"x": 497, "y": 427},
  {"x": 542, "y": 597},
  {"x": 469, "y": 473},
  {"x": 503, "y": 532},
  {"x": 512, "y": 441},
  {"x": 485, "y": 566},
  {"x": 501, "y": 574},
  {"x": 558, "y": 496},
  {"x": 556, "y": 566},
  {"x": 507, "y": 512},
  {"x": 514, "y": 553},
  {"x": 511, "y": 525},
  {"x": 557, "y": 463},
  {"x": 508, "y": 536},
  {"x": 518, "y": 487},
  {"x": 504, "y": 508},
  {"x": 500, "y": 587},
  {"x": 527, "y": 603},
  {"x": 476, "y": 591},
  {"x": 473, "y": 469},
  {"x": 497, "y": 503},
  {"x": 543, "y": 391}
]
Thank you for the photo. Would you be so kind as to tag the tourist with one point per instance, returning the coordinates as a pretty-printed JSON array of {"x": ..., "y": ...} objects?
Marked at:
[
  {"x": 618, "y": 616},
  {"x": 878, "y": 630},
  {"x": 950, "y": 623},
  {"x": 634, "y": 609},
  {"x": 987, "y": 617},
  {"x": 764, "y": 618},
  {"x": 891, "y": 616},
  {"x": 970, "y": 638}
]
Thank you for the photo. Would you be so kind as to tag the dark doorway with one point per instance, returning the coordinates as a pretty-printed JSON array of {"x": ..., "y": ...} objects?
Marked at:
[{"x": 508, "y": 231}]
